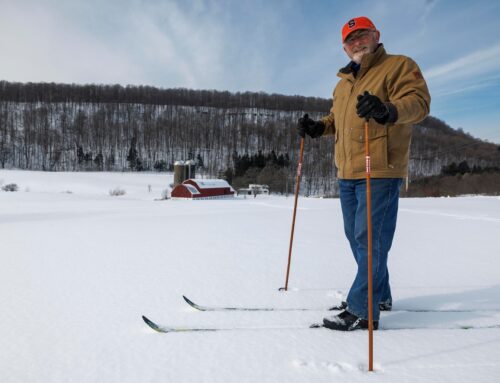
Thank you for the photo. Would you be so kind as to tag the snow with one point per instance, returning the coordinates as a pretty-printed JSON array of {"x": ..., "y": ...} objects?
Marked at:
[
  {"x": 212, "y": 184},
  {"x": 78, "y": 268}
]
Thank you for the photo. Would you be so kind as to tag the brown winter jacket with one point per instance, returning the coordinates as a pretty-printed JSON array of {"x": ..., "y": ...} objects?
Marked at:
[{"x": 396, "y": 80}]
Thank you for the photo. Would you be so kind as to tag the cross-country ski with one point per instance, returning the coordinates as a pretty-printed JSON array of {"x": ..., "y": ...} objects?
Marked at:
[
  {"x": 241, "y": 308},
  {"x": 186, "y": 329}
]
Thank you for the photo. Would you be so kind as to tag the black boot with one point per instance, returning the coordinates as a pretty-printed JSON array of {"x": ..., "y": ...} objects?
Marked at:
[
  {"x": 345, "y": 321},
  {"x": 386, "y": 306}
]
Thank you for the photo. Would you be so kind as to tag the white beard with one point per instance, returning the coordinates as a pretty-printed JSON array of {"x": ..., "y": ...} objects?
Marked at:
[{"x": 356, "y": 57}]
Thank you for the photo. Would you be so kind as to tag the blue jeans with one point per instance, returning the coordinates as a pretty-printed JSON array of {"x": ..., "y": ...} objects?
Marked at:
[{"x": 385, "y": 195}]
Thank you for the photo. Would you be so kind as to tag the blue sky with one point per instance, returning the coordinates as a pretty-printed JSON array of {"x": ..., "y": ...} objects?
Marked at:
[{"x": 275, "y": 46}]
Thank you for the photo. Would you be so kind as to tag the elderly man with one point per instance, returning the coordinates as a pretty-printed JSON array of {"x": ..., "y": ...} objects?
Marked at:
[{"x": 390, "y": 92}]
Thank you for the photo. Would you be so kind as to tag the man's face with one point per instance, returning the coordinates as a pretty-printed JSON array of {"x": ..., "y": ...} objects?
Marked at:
[{"x": 361, "y": 42}]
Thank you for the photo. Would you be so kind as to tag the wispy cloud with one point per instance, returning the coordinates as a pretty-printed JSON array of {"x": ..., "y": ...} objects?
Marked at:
[
  {"x": 472, "y": 64},
  {"x": 40, "y": 43},
  {"x": 178, "y": 50},
  {"x": 154, "y": 43},
  {"x": 470, "y": 86}
]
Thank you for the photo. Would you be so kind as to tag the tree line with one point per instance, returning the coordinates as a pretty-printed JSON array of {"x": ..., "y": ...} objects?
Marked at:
[
  {"x": 148, "y": 95},
  {"x": 70, "y": 127}
]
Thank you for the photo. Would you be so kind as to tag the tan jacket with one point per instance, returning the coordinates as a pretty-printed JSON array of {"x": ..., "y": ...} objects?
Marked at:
[{"x": 394, "y": 79}]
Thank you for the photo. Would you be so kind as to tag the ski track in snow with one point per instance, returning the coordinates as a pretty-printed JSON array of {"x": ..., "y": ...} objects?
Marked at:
[{"x": 78, "y": 268}]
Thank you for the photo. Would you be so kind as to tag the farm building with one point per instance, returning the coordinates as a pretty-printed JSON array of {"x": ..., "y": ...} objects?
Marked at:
[
  {"x": 254, "y": 189},
  {"x": 203, "y": 189}
]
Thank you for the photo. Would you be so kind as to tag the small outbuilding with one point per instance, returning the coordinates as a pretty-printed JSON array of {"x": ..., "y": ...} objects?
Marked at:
[
  {"x": 254, "y": 189},
  {"x": 203, "y": 189}
]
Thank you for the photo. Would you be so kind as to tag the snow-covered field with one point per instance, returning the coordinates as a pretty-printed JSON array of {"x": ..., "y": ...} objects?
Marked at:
[{"x": 79, "y": 267}]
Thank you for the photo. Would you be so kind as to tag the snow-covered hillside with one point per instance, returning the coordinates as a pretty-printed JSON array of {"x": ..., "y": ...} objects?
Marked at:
[{"x": 79, "y": 267}]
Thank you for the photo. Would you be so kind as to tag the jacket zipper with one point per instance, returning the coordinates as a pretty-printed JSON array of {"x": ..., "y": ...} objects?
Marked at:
[{"x": 343, "y": 124}]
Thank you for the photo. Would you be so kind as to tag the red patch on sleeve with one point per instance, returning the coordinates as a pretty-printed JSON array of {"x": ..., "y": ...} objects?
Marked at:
[{"x": 418, "y": 75}]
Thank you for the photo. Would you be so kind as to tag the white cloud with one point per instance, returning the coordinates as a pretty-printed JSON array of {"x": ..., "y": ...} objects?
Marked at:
[
  {"x": 42, "y": 44},
  {"x": 172, "y": 48},
  {"x": 472, "y": 64},
  {"x": 454, "y": 88},
  {"x": 153, "y": 43}
]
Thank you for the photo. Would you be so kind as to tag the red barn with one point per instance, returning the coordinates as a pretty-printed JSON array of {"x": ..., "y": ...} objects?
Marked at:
[{"x": 203, "y": 189}]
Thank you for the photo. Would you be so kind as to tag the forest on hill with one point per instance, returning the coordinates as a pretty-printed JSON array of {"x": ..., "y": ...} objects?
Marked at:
[{"x": 248, "y": 137}]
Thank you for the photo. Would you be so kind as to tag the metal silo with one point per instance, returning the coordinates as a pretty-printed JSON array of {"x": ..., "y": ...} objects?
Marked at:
[
  {"x": 179, "y": 172},
  {"x": 190, "y": 169}
]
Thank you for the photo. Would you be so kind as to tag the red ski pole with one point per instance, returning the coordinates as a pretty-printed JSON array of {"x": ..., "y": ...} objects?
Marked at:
[
  {"x": 297, "y": 187},
  {"x": 370, "y": 254}
]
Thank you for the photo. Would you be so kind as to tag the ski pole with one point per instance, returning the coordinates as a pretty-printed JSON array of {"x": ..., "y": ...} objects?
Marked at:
[
  {"x": 297, "y": 187},
  {"x": 370, "y": 255}
]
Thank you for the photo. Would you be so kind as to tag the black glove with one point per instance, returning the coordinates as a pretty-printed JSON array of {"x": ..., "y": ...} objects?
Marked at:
[
  {"x": 370, "y": 106},
  {"x": 310, "y": 127}
]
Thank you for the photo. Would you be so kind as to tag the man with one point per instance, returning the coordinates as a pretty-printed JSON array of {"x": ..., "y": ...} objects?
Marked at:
[{"x": 390, "y": 92}]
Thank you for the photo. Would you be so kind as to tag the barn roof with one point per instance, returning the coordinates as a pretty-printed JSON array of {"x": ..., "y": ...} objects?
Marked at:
[{"x": 211, "y": 183}]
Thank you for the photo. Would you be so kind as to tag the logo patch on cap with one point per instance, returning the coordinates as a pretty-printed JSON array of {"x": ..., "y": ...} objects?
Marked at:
[{"x": 351, "y": 23}]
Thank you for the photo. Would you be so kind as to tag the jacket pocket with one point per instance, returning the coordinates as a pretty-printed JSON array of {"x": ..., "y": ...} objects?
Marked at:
[{"x": 378, "y": 147}]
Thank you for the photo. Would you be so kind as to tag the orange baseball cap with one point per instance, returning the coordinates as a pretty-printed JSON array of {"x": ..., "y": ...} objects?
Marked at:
[{"x": 352, "y": 25}]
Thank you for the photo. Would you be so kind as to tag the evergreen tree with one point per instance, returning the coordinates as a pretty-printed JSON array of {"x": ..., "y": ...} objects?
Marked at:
[
  {"x": 199, "y": 161},
  {"x": 463, "y": 167},
  {"x": 99, "y": 161},
  {"x": 80, "y": 155},
  {"x": 133, "y": 156}
]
